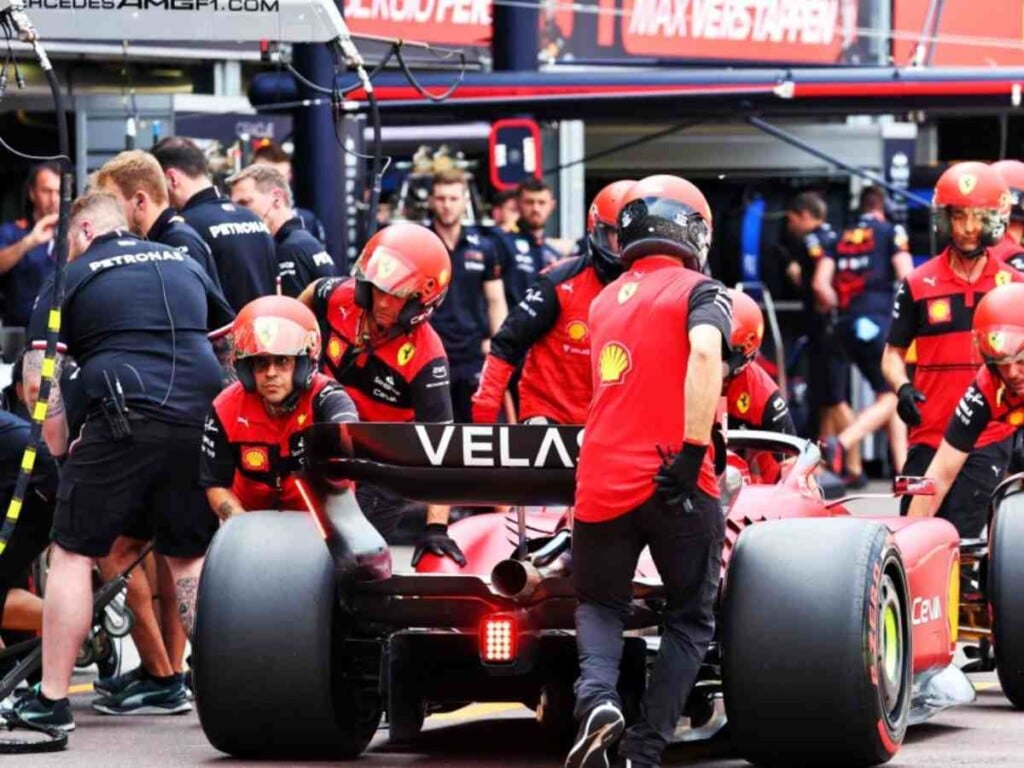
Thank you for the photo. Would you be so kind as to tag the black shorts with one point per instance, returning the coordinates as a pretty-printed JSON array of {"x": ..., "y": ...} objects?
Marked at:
[
  {"x": 967, "y": 504},
  {"x": 828, "y": 372},
  {"x": 866, "y": 355},
  {"x": 110, "y": 489}
]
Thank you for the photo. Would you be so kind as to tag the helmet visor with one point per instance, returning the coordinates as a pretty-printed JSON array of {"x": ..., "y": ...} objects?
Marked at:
[
  {"x": 605, "y": 237},
  {"x": 388, "y": 271},
  {"x": 1002, "y": 345},
  {"x": 273, "y": 336}
]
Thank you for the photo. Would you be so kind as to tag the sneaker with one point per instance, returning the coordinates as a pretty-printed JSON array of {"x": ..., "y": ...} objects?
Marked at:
[
  {"x": 189, "y": 690},
  {"x": 602, "y": 728},
  {"x": 834, "y": 455},
  {"x": 112, "y": 686},
  {"x": 631, "y": 763},
  {"x": 146, "y": 697},
  {"x": 31, "y": 709},
  {"x": 856, "y": 482}
]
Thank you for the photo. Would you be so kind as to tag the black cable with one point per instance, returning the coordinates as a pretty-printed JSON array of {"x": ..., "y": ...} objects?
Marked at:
[{"x": 423, "y": 91}]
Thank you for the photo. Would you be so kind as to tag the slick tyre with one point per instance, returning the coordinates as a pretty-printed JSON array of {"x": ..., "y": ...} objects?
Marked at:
[
  {"x": 816, "y": 636},
  {"x": 1006, "y": 595},
  {"x": 271, "y": 670}
]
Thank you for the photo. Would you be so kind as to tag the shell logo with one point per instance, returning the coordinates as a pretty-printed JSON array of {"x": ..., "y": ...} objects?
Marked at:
[
  {"x": 577, "y": 330},
  {"x": 997, "y": 341},
  {"x": 443, "y": 278},
  {"x": 743, "y": 402},
  {"x": 614, "y": 363},
  {"x": 1002, "y": 277},
  {"x": 967, "y": 183},
  {"x": 626, "y": 292},
  {"x": 405, "y": 353},
  {"x": 334, "y": 350},
  {"x": 255, "y": 458},
  {"x": 1016, "y": 418},
  {"x": 939, "y": 311}
]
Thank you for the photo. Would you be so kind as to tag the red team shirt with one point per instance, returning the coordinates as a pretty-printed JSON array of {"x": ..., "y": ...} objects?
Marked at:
[
  {"x": 404, "y": 379},
  {"x": 933, "y": 311},
  {"x": 248, "y": 450},
  {"x": 986, "y": 402},
  {"x": 753, "y": 401},
  {"x": 639, "y": 369}
]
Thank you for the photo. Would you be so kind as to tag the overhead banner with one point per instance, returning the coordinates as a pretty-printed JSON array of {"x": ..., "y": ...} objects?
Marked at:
[
  {"x": 967, "y": 34},
  {"x": 778, "y": 31},
  {"x": 441, "y": 22}
]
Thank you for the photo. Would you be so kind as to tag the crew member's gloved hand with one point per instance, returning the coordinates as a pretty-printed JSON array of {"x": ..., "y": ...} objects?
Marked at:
[
  {"x": 907, "y": 408},
  {"x": 677, "y": 477},
  {"x": 436, "y": 541},
  {"x": 488, "y": 398}
]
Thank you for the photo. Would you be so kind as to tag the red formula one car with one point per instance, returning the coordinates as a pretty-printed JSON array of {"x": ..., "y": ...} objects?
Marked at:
[{"x": 834, "y": 631}]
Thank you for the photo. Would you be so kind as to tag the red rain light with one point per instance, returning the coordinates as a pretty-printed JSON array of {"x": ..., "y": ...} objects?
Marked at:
[{"x": 498, "y": 639}]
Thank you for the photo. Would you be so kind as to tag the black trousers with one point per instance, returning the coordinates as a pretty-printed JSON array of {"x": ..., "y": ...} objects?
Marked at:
[
  {"x": 688, "y": 553},
  {"x": 967, "y": 503}
]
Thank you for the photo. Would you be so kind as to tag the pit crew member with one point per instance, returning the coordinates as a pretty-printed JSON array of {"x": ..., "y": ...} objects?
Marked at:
[
  {"x": 996, "y": 396},
  {"x": 933, "y": 311},
  {"x": 26, "y": 245},
  {"x": 136, "y": 317},
  {"x": 548, "y": 329},
  {"x": 242, "y": 247},
  {"x": 475, "y": 306},
  {"x": 301, "y": 258},
  {"x": 870, "y": 257},
  {"x": 657, "y": 334},
  {"x": 137, "y": 181},
  {"x": 528, "y": 250},
  {"x": 391, "y": 362},
  {"x": 251, "y": 444}
]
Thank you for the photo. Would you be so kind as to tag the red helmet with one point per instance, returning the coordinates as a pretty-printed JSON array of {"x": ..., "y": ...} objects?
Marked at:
[
  {"x": 665, "y": 215},
  {"x": 408, "y": 261},
  {"x": 977, "y": 186},
  {"x": 602, "y": 220},
  {"x": 1012, "y": 172},
  {"x": 747, "y": 331},
  {"x": 998, "y": 325},
  {"x": 276, "y": 325}
]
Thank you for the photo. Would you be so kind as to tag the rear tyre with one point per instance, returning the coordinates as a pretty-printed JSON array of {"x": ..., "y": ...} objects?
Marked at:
[
  {"x": 1006, "y": 595},
  {"x": 274, "y": 673},
  {"x": 816, "y": 634}
]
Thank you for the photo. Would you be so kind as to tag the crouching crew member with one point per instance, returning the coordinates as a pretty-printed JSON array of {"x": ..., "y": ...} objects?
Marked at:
[
  {"x": 645, "y": 475},
  {"x": 549, "y": 329},
  {"x": 996, "y": 396},
  {"x": 251, "y": 443},
  {"x": 753, "y": 399},
  {"x": 391, "y": 362}
]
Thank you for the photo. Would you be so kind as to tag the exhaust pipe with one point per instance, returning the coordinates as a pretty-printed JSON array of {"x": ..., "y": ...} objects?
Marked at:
[{"x": 518, "y": 579}]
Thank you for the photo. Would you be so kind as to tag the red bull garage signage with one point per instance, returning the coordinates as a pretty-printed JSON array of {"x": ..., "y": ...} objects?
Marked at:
[{"x": 798, "y": 31}]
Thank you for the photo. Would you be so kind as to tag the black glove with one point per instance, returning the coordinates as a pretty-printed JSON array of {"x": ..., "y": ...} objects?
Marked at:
[
  {"x": 677, "y": 477},
  {"x": 436, "y": 541},
  {"x": 907, "y": 408}
]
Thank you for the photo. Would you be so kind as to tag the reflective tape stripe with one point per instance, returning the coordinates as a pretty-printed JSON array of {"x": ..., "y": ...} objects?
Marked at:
[
  {"x": 39, "y": 412},
  {"x": 54, "y": 321},
  {"x": 29, "y": 459},
  {"x": 49, "y": 367},
  {"x": 15, "y": 510}
]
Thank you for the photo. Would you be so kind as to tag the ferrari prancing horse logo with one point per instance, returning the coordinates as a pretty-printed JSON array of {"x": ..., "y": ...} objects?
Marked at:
[
  {"x": 406, "y": 352},
  {"x": 967, "y": 183}
]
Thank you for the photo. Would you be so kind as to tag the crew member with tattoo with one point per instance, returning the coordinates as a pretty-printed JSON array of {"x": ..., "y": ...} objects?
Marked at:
[
  {"x": 136, "y": 318},
  {"x": 251, "y": 440}
]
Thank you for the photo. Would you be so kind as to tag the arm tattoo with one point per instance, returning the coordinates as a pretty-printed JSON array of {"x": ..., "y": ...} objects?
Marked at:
[
  {"x": 228, "y": 508},
  {"x": 185, "y": 590}
]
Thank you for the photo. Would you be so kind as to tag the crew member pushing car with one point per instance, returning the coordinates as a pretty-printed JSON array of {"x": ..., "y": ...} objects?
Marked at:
[
  {"x": 391, "y": 362},
  {"x": 251, "y": 441},
  {"x": 933, "y": 310},
  {"x": 645, "y": 474},
  {"x": 549, "y": 329},
  {"x": 995, "y": 397}
]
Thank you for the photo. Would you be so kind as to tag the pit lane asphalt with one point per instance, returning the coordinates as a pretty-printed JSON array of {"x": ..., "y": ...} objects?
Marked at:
[{"x": 985, "y": 733}]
